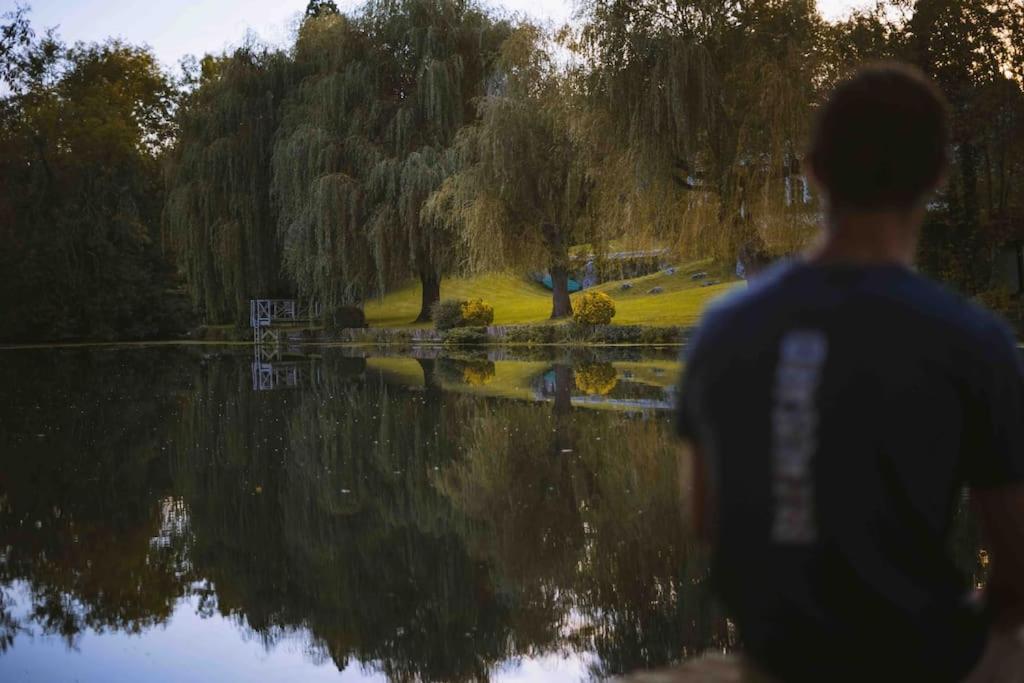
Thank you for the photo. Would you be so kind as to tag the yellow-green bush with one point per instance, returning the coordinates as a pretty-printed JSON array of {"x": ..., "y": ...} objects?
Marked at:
[
  {"x": 477, "y": 313},
  {"x": 593, "y": 308},
  {"x": 596, "y": 379}
]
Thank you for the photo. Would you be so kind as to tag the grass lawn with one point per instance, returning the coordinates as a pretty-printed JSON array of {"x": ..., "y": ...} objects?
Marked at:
[{"x": 518, "y": 300}]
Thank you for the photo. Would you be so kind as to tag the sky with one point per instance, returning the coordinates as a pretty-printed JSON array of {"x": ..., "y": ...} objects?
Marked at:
[{"x": 175, "y": 28}]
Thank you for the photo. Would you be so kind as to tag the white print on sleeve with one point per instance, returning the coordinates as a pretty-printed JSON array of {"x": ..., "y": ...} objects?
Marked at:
[{"x": 802, "y": 355}]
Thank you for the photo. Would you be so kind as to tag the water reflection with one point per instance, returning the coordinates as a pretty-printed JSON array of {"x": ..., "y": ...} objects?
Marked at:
[{"x": 441, "y": 517}]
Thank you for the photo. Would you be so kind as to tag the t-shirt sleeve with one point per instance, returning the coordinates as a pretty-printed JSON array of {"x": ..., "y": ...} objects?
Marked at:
[
  {"x": 689, "y": 389},
  {"x": 994, "y": 437}
]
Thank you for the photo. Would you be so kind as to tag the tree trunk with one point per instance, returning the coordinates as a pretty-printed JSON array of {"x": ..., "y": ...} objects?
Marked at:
[
  {"x": 561, "y": 306},
  {"x": 431, "y": 284}
]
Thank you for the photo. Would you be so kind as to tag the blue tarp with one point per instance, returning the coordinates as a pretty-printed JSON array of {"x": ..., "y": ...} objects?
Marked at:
[{"x": 573, "y": 285}]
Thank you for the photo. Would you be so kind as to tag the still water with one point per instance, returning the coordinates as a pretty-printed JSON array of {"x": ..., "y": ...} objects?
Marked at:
[{"x": 194, "y": 513}]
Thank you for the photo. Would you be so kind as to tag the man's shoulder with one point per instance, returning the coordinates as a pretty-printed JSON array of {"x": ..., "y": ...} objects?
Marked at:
[
  {"x": 950, "y": 312},
  {"x": 901, "y": 297},
  {"x": 772, "y": 284}
]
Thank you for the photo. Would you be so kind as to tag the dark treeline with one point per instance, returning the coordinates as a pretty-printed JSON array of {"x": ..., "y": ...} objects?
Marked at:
[
  {"x": 82, "y": 133},
  {"x": 415, "y": 139}
]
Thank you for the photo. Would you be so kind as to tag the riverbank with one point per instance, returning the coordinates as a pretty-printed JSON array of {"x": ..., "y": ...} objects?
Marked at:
[
  {"x": 655, "y": 309},
  {"x": 551, "y": 334}
]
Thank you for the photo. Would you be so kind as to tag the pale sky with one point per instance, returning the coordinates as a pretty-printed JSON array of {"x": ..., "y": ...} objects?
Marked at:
[{"x": 174, "y": 28}]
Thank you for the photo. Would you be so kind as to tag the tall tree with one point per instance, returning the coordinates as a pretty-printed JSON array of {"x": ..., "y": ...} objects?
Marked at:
[
  {"x": 80, "y": 134},
  {"x": 386, "y": 90},
  {"x": 522, "y": 193},
  {"x": 218, "y": 215},
  {"x": 324, "y": 142},
  {"x": 708, "y": 102},
  {"x": 972, "y": 48}
]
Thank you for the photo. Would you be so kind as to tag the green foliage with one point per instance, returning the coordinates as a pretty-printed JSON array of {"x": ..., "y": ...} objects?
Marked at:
[
  {"x": 592, "y": 334},
  {"x": 347, "y": 317},
  {"x": 697, "y": 116},
  {"x": 519, "y": 198},
  {"x": 452, "y": 313},
  {"x": 466, "y": 336},
  {"x": 81, "y": 130},
  {"x": 365, "y": 140},
  {"x": 971, "y": 49},
  {"x": 421, "y": 138},
  {"x": 477, "y": 313},
  {"x": 531, "y": 334},
  {"x": 447, "y": 314},
  {"x": 593, "y": 308},
  {"x": 218, "y": 215}
]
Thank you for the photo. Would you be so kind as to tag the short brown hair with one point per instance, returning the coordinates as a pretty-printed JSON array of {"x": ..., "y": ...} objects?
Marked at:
[{"x": 881, "y": 141}]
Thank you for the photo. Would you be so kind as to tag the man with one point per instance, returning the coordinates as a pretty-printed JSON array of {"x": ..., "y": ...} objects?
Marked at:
[{"x": 838, "y": 407}]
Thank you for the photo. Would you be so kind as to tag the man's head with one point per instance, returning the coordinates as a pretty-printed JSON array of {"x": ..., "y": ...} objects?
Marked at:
[{"x": 881, "y": 141}]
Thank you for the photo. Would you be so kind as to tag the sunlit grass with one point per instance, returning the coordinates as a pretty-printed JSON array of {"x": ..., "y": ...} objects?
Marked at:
[
  {"x": 518, "y": 300},
  {"x": 515, "y": 299}
]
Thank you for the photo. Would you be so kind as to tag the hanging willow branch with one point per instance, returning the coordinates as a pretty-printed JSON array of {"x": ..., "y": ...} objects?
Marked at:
[
  {"x": 218, "y": 216},
  {"x": 366, "y": 139},
  {"x": 708, "y": 103}
]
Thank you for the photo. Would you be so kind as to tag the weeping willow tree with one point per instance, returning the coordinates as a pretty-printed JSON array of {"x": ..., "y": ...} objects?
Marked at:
[
  {"x": 701, "y": 108},
  {"x": 366, "y": 139},
  {"x": 521, "y": 196},
  {"x": 218, "y": 216},
  {"x": 324, "y": 143},
  {"x": 447, "y": 53}
]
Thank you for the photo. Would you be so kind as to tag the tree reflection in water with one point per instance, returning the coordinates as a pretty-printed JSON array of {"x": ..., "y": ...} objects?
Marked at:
[{"x": 424, "y": 532}]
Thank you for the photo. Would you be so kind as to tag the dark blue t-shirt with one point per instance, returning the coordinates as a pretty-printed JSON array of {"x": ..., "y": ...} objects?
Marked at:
[{"x": 841, "y": 410}]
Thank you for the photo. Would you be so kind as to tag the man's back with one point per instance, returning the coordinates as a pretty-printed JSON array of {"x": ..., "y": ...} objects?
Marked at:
[{"x": 867, "y": 398}]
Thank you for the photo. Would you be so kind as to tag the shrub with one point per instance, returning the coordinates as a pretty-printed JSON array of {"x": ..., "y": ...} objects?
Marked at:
[
  {"x": 594, "y": 308},
  {"x": 477, "y": 313},
  {"x": 660, "y": 335},
  {"x": 596, "y": 378},
  {"x": 467, "y": 336},
  {"x": 346, "y": 317},
  {"x": 530, "y": 334},
  {"x": 447, "y": 314}
]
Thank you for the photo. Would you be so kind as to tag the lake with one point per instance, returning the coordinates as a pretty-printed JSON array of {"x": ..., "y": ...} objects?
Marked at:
[
  {"x": 183, "y": 513},
  {"x": 173, "y": 513}
]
